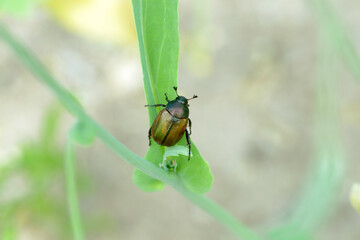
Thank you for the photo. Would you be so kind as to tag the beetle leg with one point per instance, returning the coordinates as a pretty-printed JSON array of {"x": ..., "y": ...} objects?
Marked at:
[
  {"x": 166, "y": 98},
  {"x": 189, "y": 126},
  {"x": 149, "y": 136},
  {"x": 189, "y": 143},
  {"x": 156, "y": 105}
]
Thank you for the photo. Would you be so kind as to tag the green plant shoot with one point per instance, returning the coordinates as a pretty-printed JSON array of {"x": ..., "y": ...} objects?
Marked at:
[{"x": 157, "y": 27}]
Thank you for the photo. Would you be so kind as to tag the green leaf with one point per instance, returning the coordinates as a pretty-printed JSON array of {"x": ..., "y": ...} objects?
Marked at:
[
  {"x": 175, "y": 151},
  {"x": 161, "y": 40},
  {"x": 157, "y": 27},
  {"x": 195, "y": 173},
  {"x": 137, "y": 10}
]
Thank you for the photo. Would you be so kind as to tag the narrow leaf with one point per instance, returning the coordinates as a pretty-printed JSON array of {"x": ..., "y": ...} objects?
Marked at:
[
  {"x": 161, "y": 40},
  {"x": 158, "y": 33}
]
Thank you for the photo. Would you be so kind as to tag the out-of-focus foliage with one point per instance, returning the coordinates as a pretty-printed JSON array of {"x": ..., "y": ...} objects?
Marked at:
[
  {"x": 334, "y": 29},
  {"x": 18, "y": 7},
  {"x": 31, "y": 194},
  {"x": 109, "y": 21},
  {"x": 319, "y": 196}
]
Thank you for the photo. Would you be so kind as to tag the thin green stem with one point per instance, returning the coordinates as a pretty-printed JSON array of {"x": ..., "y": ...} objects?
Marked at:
[
  {"x": 213, "y": 209},
  {"x": 71, "y": 192},
  {"x": 321, "y": 192},
  {"x": 216, "y": 211},
  {"x": 42, "y": 74},
  {"x": 332, "y": 27}
]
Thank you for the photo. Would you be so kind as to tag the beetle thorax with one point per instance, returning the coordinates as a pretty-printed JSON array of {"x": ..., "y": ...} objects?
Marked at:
[
  {"x": 182, "y": 100},
  {"x": 178, "y": 108}
]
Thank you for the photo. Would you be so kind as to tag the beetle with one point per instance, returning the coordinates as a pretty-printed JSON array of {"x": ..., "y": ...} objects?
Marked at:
[{"x": 171, "y": 122}]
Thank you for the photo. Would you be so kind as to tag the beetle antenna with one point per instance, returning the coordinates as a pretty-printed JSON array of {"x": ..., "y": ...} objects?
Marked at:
[
  {"x": 195, "y": 96},
  {"x": 175, "y": 88}
]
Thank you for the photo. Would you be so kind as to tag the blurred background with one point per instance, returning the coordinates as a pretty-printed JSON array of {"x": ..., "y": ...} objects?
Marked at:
[{"x": 254, "y": 66}]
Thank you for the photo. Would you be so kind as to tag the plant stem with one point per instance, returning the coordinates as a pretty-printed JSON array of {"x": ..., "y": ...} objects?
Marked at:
[
  {"x": 332, "y": 27},
  {"x": 39, "y": 70},
  {"x": 320, "y": 194},
  {"x": 216, "y": 211},
  {"x": 71, "y": 192}
]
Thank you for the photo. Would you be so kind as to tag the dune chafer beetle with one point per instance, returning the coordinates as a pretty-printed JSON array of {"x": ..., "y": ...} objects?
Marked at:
[{"x": 171, "y": 122}]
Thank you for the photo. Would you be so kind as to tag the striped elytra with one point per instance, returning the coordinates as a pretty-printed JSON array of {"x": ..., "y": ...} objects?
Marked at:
[{"x": 167, "y": 130}]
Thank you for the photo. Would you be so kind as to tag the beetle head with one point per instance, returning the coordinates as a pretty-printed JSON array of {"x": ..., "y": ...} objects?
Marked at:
[{"x": 182, "y": 99}]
